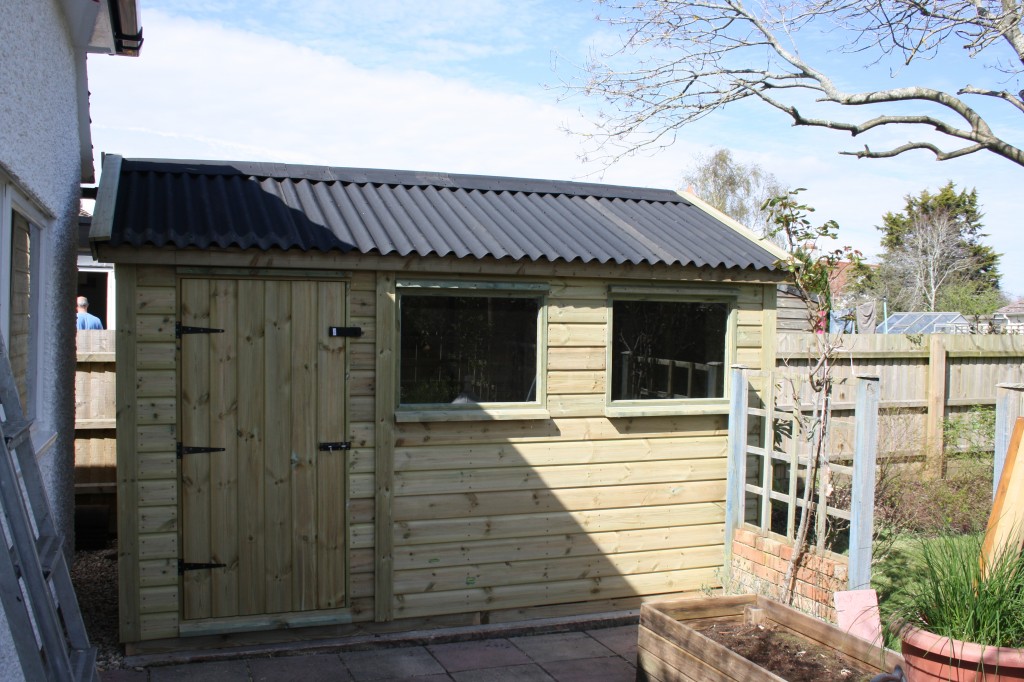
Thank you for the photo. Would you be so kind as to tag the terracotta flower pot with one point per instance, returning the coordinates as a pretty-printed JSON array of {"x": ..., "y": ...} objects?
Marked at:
[{"x": 931, "y": 657}]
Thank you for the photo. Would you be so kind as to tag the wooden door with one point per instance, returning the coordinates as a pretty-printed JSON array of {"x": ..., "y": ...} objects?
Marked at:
[{"x": 269, "y": 389}]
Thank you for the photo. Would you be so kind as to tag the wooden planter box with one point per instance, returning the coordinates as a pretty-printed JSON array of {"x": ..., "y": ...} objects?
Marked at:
[{"x": 670, "y": 650}]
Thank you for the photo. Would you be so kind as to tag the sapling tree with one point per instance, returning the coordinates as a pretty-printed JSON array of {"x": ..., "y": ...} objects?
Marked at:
[{"x": 811, "y": 266}]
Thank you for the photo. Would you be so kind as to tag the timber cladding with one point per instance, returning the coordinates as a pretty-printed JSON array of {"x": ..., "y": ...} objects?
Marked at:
[{"x": 494, "y": 519}]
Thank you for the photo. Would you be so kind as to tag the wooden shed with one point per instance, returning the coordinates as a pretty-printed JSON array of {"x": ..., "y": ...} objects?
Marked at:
[{"x": 350, "y": 396}]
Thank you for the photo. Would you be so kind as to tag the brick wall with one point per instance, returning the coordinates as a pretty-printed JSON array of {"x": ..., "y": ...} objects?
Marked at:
[{"x": 759, "y": 565}]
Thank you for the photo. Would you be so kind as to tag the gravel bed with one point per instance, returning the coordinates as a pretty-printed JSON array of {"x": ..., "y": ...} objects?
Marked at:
[{"x": 94, "y": 574}]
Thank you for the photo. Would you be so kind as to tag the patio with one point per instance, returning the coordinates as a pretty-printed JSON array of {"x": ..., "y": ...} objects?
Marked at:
[{"x": 598, "y": 655}]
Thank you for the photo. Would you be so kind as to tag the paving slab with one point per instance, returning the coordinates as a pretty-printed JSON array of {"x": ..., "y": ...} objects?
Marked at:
[
  {"x": 606, "y": 669},
  {"x": 530, "y": 672},
  {"x": 561, "y": 646},
  {"x": 124, "y": 676},
  {"x": 621, "y": 640},
  {"x": 212, "y": 671},
  {"x": 484, "y": 653},
  {"x": 391, "y": 664},
  {"x": 309, "y": 668}
]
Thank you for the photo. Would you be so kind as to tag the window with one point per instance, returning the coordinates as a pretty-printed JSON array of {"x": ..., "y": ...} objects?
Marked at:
[
  {"x": 665, "y": 350},
  {"x": 21, "y": 313},
  {"x": 96, "y": 283},
  {"x": 466, "y": 348},
  {"x": 21, "y": 289}
]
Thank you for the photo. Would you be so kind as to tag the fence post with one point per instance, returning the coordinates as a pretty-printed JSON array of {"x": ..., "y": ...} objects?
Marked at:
[
  {"x": 936, "y": 397},
  {"x": 862, "y": 498},
  {"x": 1009, "y": 406},
  {"x": 736, "y": 470}
]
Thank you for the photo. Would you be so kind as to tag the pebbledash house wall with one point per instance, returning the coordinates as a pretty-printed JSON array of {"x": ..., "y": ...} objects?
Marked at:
[{"x": 40, "y": 171}]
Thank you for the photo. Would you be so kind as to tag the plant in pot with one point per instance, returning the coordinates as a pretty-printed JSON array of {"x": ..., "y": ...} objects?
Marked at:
[{"x": 962, "y": 618}]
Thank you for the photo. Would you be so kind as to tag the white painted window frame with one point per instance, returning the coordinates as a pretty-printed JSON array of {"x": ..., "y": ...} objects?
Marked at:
[
  {"x": 14, "y": 200},
  {"x": 86, "y": 263}
]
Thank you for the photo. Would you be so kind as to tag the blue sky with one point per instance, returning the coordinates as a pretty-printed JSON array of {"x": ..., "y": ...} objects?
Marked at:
[{"x": 472, "y": 87}]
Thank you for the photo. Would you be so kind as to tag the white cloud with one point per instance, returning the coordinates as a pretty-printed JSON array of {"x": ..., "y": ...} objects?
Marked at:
[{"x": 203, "y": 89}]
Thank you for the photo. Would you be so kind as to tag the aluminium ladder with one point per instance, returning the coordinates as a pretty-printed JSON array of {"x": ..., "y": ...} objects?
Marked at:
[{"x": 35, "y": 584}]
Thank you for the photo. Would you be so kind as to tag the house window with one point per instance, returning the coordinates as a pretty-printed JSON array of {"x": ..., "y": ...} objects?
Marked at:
[
  {"x": 668, "y": 350},
  {"x": 468, "y": 348},
  {"x": 21, "y": 313},
  {"x": 21, "y": 288}
]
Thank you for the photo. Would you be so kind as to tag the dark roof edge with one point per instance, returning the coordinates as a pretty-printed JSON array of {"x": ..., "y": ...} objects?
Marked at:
[
  {"x": 772, "y": 275},
  {"x": 400, "y": 177}
]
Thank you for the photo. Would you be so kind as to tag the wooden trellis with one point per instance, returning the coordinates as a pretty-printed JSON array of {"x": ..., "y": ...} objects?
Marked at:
[{"x": 769, "y": 461}]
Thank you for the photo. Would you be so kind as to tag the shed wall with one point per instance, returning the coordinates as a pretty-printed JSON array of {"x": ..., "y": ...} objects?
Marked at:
[
  {"x": 793, "y": 314},
  {"x": 495, "y": 520}
]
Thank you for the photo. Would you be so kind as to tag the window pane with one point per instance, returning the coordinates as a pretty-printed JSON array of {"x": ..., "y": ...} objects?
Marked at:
[
  {"x": 466, "y": 349},
  {"x": 19, "y": 344},
  {"x": 666, "y": 350}
]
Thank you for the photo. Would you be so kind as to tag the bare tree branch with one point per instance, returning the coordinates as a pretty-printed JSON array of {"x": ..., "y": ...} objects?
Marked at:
[
  {"x": 686, "y": 60},
  {"x": 940, "y": 155},
  {"x": 1014, "y": 100}
]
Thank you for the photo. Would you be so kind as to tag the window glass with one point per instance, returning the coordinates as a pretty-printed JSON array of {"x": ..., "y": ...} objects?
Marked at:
[
  {"x": 19, "y": 342},
  {"x": 668, "y": 350},
  {"x": 468, "y": 349}
]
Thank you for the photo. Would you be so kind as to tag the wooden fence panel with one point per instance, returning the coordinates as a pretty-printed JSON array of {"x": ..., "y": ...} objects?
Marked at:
[
  {"x": 95, "y": 411},
  {"x": 923, "y": 381}
]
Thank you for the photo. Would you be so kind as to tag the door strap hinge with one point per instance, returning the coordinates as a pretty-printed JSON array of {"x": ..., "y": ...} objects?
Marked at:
[
  {"x": 193, "y": 450},
  {"x": 331, "y": 447},
  {"x": 354, "y": 332},
  {"x": 190, "y": 566},
  {"x": 180, "y": 330}
]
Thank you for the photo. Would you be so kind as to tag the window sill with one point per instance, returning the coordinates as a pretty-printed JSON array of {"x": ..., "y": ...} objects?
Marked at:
[
  {"x": 43, "y": 439},
  {"x": 471, "y": 415},
  {"x": 670, "y": 410}
]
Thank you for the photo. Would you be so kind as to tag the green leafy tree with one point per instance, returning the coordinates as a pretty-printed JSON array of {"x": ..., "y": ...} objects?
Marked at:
[
  {"x": 934, "y": 256},
  {"x": 736, "y": 189},
  {"x": 966, "y": 298}
]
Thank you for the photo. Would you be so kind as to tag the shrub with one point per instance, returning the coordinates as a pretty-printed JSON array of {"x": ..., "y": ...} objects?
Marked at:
[{"x": 947, "y": 592}]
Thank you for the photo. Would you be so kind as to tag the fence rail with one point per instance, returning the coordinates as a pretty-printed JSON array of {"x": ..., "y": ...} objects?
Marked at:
[{"x": 924, "y": 381}]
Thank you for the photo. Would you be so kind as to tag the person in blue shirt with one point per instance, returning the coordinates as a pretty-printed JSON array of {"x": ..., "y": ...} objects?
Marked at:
[{"x": 85, "y": 319}]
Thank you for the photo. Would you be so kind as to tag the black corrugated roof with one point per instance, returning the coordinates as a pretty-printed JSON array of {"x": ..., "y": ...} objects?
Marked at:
[{"x": 210, "y": 204}]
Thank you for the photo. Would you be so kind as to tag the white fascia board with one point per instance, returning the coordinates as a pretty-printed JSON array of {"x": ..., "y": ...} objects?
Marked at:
[
  {"x": 82, "y": 17},
  {"x": 106, "y": 197},
  {"x": 84, "y": 122}
]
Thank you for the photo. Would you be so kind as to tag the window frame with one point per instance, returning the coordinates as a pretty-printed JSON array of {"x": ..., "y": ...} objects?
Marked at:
[
  {"x": 429, "y": 412},
  {"x": 672, "y": 406},
  {"x": 13, "y": 200},
  {"x": 87, "y": 264}
]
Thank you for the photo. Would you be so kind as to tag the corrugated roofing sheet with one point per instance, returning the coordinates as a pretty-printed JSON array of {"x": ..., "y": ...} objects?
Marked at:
[{"x": 206, "y": 204}]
